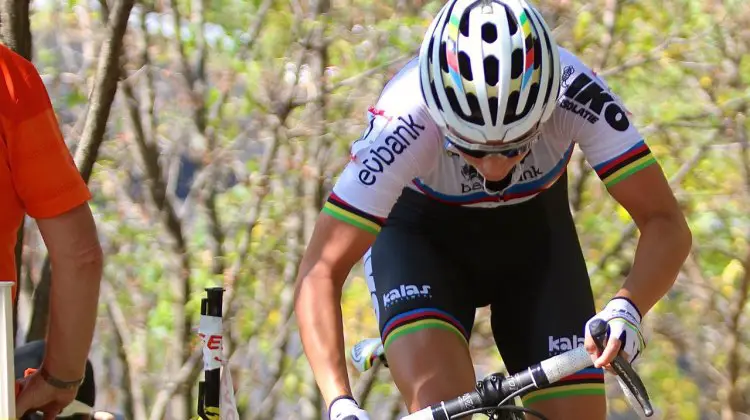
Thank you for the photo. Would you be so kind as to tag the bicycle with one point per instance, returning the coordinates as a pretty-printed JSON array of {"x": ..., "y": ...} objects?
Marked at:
[{"x": 494, "y": 394}]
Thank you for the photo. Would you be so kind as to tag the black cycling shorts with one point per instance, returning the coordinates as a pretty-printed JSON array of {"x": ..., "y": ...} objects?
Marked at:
[{"x": 432, "y": 265}]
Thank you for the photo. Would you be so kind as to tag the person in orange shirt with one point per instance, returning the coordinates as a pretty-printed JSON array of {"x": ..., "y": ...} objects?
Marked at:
[{"x": 39, "y": 178}]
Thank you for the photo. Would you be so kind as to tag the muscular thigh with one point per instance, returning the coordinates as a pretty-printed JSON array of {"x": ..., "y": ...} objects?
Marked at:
[
  {"x": 414, "y": 286},
  {"x": 550, "y": 302},
  {"x": 424, "y": 313}
]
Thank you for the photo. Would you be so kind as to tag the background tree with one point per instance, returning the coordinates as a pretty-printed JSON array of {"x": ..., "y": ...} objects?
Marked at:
[{"x": 211, "y": 132}]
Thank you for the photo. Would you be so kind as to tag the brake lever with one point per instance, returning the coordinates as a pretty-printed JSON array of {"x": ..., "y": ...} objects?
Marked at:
[{"x": 623, "y": 369}]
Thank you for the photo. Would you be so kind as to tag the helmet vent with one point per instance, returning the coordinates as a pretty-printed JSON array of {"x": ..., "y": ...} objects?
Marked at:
[
  {"x": 464, "y": 64},
  {"x": 476, "y": 112},
  {"x": 537, "y": 53},
  {"x": 510, "y": 108},
  {"x": 491, "y": 70},
  {"x": 435, "y": 96},
  {"x": 510, "y": 112},
  {"x": 512, "y": 25},
  {"x": 463, "y": 25},
  {"x": 516, "y": 63},
  {"x": 493, "y": 101},
  {"x": 443, "y": 58},
  {"x": 489, "y": 33}
]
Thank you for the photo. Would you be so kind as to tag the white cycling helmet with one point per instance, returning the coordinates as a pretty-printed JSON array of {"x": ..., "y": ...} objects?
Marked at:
[{"x": 489, "y": 72}]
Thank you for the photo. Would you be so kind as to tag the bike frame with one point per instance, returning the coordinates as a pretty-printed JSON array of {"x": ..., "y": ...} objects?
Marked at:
[
  {"x": 209, "y": 389},
  {"x": 7, "y": 370}
]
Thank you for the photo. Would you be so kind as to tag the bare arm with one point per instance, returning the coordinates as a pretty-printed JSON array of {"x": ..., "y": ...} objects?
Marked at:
[
  {"x": 665, "y": 238},
  {"x": 76, "y": 259},
  {"x": 333, "y": 250}
]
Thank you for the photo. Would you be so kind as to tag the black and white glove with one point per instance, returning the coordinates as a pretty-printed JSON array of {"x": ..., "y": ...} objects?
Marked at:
[
  {"x": 345, "y": 408},
  {"x": 623, "y": 323}
]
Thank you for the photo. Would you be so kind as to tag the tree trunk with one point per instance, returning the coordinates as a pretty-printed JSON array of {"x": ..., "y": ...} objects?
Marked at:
[
  {"x": 105, "y": 88},
  {"x": 15, "y": 28},
  {"x": 19, "y": 265}
]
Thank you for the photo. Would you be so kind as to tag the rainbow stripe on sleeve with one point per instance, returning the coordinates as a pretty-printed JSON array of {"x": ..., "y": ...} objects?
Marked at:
[
  {"x": 633, "y": 160},
  {"x": 340, "y": 209}
]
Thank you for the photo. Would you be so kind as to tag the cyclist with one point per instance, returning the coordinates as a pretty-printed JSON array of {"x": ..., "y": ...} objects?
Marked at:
[
  {"x": 38, "y": 177},
  {"x": 456, "y": 196}
]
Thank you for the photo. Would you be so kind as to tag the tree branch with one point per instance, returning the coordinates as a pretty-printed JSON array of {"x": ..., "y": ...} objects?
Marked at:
[
  {"x": 639, "y": 60},
  {"x": 247, "y": 50},
  {"x": 134, "y": 391},
  {"x": 367, "y": 380},
  {"x": 149, "y": 154},
  {"x": 190, "y": 369},
  {"x": 609, "y": 17},
  {"x": 354, "y": 79},
  {"x": 105, "y": 87},
  {"x": 15, "y": 27}
]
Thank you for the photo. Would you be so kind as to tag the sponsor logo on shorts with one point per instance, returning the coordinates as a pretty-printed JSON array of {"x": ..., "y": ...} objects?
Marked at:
[
  {"x": 559, "y": 345},
  {"x": 404, "y": 292}
]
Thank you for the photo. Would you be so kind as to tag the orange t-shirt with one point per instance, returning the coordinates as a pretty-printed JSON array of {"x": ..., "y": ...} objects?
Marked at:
[{"x": 37, "y": 174}]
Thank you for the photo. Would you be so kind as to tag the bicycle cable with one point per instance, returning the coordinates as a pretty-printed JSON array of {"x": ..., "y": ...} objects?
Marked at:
[
  {"x": 511, "y": 408},
  {"x": 516, "y": 393}
]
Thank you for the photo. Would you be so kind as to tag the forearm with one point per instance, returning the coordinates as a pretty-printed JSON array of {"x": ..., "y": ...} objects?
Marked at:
[
  {"x": 318, "y": 310},
  {"x": 74, "y": 298},
  {"x": 662, "y": 248}
]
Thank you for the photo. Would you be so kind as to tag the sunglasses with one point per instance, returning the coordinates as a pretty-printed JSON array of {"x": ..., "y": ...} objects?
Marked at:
[
  {"x": 514, "y": 149},
  {"x": 479, "y": 154}
]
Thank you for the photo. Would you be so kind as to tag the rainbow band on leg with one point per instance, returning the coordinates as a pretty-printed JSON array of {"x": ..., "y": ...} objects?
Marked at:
[
  {"x": 419, "y": 319},
  {"x": 588, "y": 381}
]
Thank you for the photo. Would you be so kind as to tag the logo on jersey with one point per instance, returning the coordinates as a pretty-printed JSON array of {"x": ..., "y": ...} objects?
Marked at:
[
  {"x": 470, "y": 173},
  {"x": 566, "y": 73},
  {"x": 473, "y": 179},
  {"x": 376, "y": 158},
  {"x": 372, "y": 116},
  {"x": 559, "y": 345},
  {"x": 530, "y": 172},
  {"x": 590, "y": 100},
  {"x": 376, "y": 122},
  {"x": 405, "y": 291}
]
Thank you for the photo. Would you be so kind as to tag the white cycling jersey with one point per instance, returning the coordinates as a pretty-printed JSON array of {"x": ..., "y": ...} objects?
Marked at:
[{"x": 403, "y": 147}]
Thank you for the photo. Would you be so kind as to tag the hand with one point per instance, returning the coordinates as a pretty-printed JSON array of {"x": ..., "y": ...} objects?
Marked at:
[
  {"x": 623, "y": 333},
  {"x": 345, "y": 408},
  {"x": 37, "y": 395}
]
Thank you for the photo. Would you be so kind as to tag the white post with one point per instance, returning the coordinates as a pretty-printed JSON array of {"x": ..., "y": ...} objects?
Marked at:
[{"x": 7, "y": 368}]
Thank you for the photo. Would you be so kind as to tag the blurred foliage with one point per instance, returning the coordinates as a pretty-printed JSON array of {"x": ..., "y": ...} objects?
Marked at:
[{"x": 681, "y": 66}]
